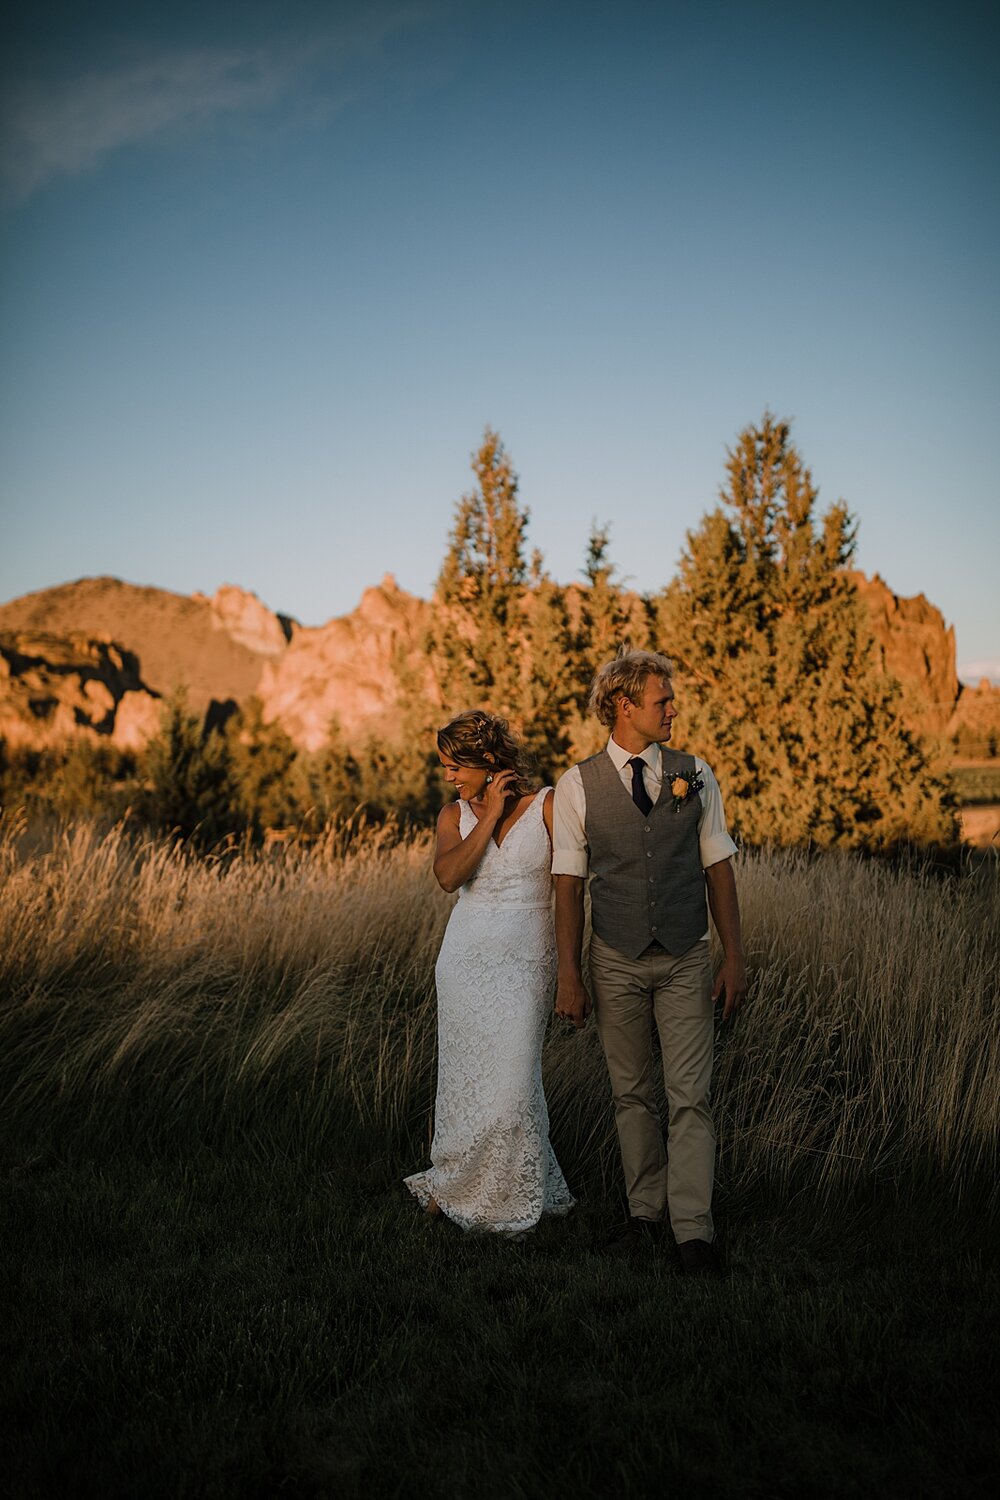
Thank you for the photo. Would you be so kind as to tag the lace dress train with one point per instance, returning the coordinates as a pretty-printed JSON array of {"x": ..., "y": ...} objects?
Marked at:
[{"x": 492, "y": 1165}]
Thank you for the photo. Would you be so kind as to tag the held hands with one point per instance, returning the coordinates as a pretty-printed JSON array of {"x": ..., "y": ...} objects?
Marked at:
[{"x": 573, "y": 1003}]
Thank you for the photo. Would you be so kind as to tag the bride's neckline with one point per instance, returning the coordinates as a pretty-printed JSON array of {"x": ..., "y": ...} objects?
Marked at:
[{"x": 511, "y": 825}]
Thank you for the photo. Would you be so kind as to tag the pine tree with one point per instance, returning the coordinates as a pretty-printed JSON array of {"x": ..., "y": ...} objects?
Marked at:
[
  {"x": 779, "y": 685},
  {"x": 397, "y": 781},
  {"x": 191, "y": 789},
  {"x": 336, "y": 776},
  {"x": 503, "y": 635},
  {"x": 80, "y": 777},
  {"x": 605, "y": 617},
  {"x": 549, "y": 689},
  {"x": 268, "y": 770},
  {"x": 378, "y": 777},
  {"x": 415, "y": 769},
  {"x": 93, "y": 779},
  {"x": 476, "y": 638}
]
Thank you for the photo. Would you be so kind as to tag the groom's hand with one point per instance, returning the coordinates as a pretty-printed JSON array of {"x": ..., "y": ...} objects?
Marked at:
[
  {"x": 572, "y": 1001},
  {"x": 731, "y": 981},
  {"x": 730, "y": 986}
]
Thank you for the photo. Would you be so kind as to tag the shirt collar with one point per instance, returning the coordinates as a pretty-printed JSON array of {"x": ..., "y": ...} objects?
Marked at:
[{"x": 621, "y": 758}]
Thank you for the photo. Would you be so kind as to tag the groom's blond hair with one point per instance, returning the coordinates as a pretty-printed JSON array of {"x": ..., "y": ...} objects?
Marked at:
[{"x": 625, "y": 677}]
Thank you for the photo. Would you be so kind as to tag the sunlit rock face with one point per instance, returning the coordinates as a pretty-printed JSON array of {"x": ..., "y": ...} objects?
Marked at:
[
  {"x": 916, "y": 647},
  {"x": 216, "y": 647},
  {"x": 344, "y": 669},
  {"x": 55, "y": 687},
  {"x": 221, "y": 649},
  {"x": 229, "y": 646},
  {"x": 137, "y": 718},
  {"x": 249, "y": 622}
]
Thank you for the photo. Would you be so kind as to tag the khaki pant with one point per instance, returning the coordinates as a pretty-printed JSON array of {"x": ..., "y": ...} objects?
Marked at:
[{"x": 628, "y": 994}]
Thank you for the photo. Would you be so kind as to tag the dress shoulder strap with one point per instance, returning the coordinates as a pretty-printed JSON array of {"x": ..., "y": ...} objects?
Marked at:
[{"x": 466, "y": 818}]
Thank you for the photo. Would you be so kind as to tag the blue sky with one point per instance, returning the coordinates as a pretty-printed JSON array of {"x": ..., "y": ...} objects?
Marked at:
[{"x": 269, "y": 269}]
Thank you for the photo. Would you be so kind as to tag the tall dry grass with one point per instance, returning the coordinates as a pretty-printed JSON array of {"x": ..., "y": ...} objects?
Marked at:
[{"x": 287, "y": 998}]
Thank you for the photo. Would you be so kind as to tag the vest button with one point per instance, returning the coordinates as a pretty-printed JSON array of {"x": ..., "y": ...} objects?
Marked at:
[
  {"x": 648, "y": 829},
  {"x": 649, "y": 853}
]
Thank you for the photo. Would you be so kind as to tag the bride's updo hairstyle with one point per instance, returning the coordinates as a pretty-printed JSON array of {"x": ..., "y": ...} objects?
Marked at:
[{"x": 484, "y": 742}]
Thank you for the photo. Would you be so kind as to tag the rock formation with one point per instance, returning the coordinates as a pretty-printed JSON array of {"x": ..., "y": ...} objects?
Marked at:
[
  {"x": 247, "y": 621},
  {"x": 216, "y": 647},
  {"x": 53, "y": 687},
  {"x": 97, "y": 656},
  {"x": 916, "y": 647},
  {"x": 344, "y": 668},
  {"x": 137, "y": 718}
]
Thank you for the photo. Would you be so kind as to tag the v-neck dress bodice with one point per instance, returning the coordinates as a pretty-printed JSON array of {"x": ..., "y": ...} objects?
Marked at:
[
  {"x": 516, "y": 873},
  {"x": 492, "y": 1165}
]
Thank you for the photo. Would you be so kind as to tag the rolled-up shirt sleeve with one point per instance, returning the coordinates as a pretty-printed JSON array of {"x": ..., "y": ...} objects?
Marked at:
[
  {"x": 569, "y": 815},
  {"x": 714, "y": 841}
]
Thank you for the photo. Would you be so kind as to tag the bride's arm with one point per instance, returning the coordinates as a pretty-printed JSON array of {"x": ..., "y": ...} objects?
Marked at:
[{"x": 455, "y": 858}]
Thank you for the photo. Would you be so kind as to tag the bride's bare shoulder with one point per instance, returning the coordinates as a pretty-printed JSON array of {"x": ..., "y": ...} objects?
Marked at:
[{"x": 448, "y": 834}]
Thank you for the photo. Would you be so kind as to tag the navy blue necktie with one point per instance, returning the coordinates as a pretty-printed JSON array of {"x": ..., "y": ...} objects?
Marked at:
[{"x": 640, "y": 796}]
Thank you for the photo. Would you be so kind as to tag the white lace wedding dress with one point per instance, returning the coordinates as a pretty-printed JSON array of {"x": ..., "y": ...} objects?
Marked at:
[{"x": 492, "y": 1165}]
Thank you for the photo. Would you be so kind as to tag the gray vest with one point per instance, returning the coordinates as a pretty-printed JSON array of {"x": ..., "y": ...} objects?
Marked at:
[{"x": 646, "y": 879}]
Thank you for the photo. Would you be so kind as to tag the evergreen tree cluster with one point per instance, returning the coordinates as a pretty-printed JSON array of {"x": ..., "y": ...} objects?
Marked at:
[
  {"x": 777, "y": 681},
  {"x": 505, "y": 636},
  {"x": 777, "y": 677},
  {"x": 210, "y": 786}
]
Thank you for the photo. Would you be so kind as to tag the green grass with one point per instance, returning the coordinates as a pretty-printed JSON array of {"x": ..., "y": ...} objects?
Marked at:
[
  {"x": 215, "y": 1074},
  {"x": 222, "y": 1326},
  {"x": 976, "y": 784}
]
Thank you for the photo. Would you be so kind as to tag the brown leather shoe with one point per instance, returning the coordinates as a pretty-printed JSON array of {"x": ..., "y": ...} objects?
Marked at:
[
  {"x": 632, "y": 1236},
  {"x": 699, "y": 1258}
]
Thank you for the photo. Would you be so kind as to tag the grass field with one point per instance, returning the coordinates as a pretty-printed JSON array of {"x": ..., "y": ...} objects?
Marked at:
[
  {"x": 977, "y": 782},
  {"x": 216, "y": 1072}
]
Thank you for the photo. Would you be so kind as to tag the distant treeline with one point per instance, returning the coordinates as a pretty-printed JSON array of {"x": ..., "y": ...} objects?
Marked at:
[
  {"x": 247, "y": 778},
  {"x": 778, "y": 680}
]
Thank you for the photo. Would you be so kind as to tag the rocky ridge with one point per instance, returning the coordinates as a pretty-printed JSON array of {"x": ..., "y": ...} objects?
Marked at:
[
  {"x": 56, "y": 686},
  {"x": 98, "y": 656},
  {"x": 915, "y": 646},
  {"x": 343, "y": 669},
  {"x": 216, "y": 647}
]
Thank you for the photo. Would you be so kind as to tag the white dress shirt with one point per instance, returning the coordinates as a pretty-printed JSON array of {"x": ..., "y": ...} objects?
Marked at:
[{"x": 569, "y": 852}]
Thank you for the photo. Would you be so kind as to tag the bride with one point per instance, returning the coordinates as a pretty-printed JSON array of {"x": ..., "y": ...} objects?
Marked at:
[{"x": 492, "y": 1165}]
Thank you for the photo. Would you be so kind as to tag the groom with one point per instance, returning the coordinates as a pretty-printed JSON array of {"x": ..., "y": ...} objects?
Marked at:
[{"x": 646, "y": 824}]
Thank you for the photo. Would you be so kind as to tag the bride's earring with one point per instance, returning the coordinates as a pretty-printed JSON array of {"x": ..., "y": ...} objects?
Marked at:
[{"x": 488, "y": 780}]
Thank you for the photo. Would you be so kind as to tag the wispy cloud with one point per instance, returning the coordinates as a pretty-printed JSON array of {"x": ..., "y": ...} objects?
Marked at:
[
  {"x": 51, "y": 132},
  {"x": 62, "y": 129}
]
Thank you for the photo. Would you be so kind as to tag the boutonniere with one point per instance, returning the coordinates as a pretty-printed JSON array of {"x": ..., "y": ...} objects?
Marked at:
[{"x": 680, "y": 789}]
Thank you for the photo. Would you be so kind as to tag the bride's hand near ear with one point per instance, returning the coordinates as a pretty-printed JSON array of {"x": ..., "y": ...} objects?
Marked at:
[
  {"x": 455, "y": 858},
  {"x": 495, "y": 795}
]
